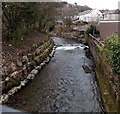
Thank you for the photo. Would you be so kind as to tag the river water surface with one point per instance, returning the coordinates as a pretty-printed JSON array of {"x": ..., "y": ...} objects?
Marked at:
[{"x": 62, "y": 85}]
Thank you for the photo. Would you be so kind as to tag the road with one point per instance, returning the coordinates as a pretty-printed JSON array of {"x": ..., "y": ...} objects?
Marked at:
[{"x": 62, "y": 85}]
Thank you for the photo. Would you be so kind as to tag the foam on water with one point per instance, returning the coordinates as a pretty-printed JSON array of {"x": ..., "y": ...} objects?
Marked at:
[{"x": 70, "y": 47}]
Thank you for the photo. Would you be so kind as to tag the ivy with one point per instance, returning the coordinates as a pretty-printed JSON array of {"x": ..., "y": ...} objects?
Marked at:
[{"x": 112, "y": 52}]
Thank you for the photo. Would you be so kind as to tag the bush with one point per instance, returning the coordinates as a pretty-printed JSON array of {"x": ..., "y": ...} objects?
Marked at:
[
  {"x": 17, "y": 37},
  {"x": 51, "y": 27},
  {"x": 92, "y": 30},
  {"x": 112, "y": 52},
  {"x": 67, "y": 21}
]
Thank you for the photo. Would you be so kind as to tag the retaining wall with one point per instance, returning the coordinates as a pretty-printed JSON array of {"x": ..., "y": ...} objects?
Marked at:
[
  {"x": 108, "y": 80},
  {"x": 23, "y": 71}
]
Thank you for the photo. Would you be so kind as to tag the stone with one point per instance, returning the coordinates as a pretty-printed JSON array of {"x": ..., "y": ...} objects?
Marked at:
[
  {"x": 52, "y": 53},
  {"x": 38, "y": 68},
  {"x": 12, "y": 83},
  {"x": 13, "y": 67},
  {"x": 42, "y": 64},
  {"x": 14, "y": 74},
  {"x": 25, "y": 58},
  {"x": 7, "y": 79},
  {"x": 37, "y": 59},
  {"x": 24, "y": 102},
  {"x": 13, "y": 90},
  {"x": 35, "y": 45},
  {"x": 4, "y": 98},
  {"x": 23, "y": 52},
  {"x": 47, "y": 60},
  {"x": 19, "y": 63},
  {"x": 23, "y": 83},
  {"x": 37, "y": 52},
  {"x": 30, "y": 57},
  {"x": 34, "y": 71},
  {"x": 30, "y": 76},
  {"x": 33, "y": 63},
  {"x": 24, "y": 70},
  {"x": 4, "y": 71},
  {"x": 3, "y": 86},
  {"x": 86, "y": 69},
  {"x": 29, "y": 67}
]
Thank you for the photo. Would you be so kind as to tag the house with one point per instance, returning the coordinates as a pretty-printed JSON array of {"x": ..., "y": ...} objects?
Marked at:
[
  {"x": 90, "y": 15},
  {"x": 111, "y": 15},
  {"x": 110, "y": 24}
]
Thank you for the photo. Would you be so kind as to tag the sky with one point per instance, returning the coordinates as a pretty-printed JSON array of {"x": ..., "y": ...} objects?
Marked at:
[{"x": 99, "y": 4}]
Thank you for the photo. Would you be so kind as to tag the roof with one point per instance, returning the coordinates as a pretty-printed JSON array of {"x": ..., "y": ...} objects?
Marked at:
[
  {"x": 117, "y": 11},
  {"x": 84, "y": 12},
  {"x": 112, "y": 12}
]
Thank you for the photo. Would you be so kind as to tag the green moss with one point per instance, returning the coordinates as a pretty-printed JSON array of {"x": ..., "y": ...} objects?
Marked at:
[
  {"x": 10, "y": 84},
  {"x": 86, "y": 69},
  {"x": 107, "y": 99}
]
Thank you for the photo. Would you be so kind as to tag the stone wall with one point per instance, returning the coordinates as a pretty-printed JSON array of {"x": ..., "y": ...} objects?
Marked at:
[
  {"x": 23, "y": 71},
  {"x": 75, "y": 35},
  {"x": 108, "y": 80}
]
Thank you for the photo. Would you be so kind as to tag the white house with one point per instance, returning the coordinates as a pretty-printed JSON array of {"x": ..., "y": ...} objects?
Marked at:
[
  {"x": 90, "y": 15},
  {"x": 111, "y": 15}
]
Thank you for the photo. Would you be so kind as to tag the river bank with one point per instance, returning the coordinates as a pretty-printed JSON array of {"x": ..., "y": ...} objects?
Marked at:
[
  {"x": 70, "y": 34},
  {"x": 26, "y": 68},
  {"x": 108, "y": 80}
]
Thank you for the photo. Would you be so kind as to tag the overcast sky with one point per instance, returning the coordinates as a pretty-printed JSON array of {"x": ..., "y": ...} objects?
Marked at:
[{"x": 99, "y": 4}]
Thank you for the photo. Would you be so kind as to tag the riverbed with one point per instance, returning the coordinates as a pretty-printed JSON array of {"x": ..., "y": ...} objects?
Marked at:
[{"x": 62, "y": 85}]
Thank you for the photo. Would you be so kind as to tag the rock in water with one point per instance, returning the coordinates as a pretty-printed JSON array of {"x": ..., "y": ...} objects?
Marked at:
[{"x": 86, "y": 69}]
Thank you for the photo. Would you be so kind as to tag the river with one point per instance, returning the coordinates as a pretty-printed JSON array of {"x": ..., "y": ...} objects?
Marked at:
[{"x": 62, "y": 85}]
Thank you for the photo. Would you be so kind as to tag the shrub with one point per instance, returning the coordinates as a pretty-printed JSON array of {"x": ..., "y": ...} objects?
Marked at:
[
  {"x": 17, "y": 37},
  {"x": 92, "y": 30},
  {"x": 67, "y": 21},
  {"x": 112, "y": 52}
]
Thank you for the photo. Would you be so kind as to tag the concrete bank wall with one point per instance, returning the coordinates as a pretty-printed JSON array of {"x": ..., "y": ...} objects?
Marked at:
[
  {"x": 108, "y": 81},
  {"x": 25, "y": 70}
]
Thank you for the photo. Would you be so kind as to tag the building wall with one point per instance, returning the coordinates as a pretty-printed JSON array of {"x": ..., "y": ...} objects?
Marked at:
[
  {"x": 107, "y": 28},
  {"x": 94, "y": 16},
  {"x": 112, "y": 17}
]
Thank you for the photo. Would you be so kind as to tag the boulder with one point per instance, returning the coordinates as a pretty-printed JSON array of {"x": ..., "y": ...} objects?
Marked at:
[{"x": 86, "y": 69}]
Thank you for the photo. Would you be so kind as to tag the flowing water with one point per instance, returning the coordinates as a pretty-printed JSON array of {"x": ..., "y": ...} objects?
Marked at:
[{"x": 62, "y": 85}]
